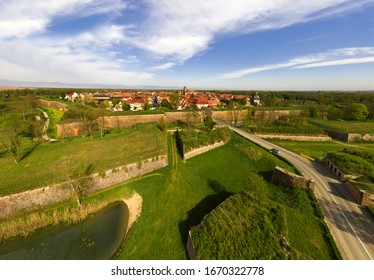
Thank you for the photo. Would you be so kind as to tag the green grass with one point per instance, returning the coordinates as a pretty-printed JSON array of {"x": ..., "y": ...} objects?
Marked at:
[
  {"x": 252, "y": 227},
  {"x": 319, "y": 149},
  {"x": 176, "y": 198},
  {"x": 41, "y": 167},
  {"x": 54, "y": 115},
  {"x": 345, "y": 126}
]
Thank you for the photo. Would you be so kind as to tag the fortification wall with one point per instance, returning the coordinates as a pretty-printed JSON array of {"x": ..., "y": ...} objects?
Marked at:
[
  {"x": 55, "y": 104},
  {"x": 351, "y": 137},
  {"x": 14, "y": 204},
  {"x": 201, "y": 150},
  {"x": 275, "y": 114},
  {"x": 230, "y": 115},
  {"x": 285, "y": 178},
  {"x": 362, "y": 197},
  {"x": 334, "y": 169}
]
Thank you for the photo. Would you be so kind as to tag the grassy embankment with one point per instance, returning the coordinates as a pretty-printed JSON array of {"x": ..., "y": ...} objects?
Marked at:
[
  {"x": 344, "y": 126},
  {"x": 41, "y": 167},
  {"x": 179, "y": 196},
  {"x": 275, "y": 225},
  {"x": 320, "y": 149},
  {"x": 54, "y": 115}
]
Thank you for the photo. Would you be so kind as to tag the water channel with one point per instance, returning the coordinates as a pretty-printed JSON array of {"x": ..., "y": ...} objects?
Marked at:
[{"x": 97, "y": 237}]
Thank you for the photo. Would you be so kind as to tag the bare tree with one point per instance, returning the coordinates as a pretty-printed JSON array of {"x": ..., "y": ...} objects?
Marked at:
[
  {"x": 77, "y": 175},
  {"x": 102, "y": 112},
  {"x": 12, "y": 145}
]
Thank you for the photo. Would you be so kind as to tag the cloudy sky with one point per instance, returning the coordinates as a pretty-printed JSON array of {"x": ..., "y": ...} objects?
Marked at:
[{"x": 238, "y": 44}]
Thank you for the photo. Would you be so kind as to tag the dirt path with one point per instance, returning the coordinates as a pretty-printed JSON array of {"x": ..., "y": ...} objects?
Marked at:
[
  {"x": 46, "y": 126},
  {"x": 134, "y": 203}
]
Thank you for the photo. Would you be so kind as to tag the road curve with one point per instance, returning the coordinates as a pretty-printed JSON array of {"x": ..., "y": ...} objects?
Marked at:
[{"x": 350, "y": 224}]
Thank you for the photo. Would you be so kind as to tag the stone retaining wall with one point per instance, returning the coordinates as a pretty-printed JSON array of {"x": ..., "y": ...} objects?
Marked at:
[
  {"x": 285, "y": 178},
  {"x": 351, "y": 137},
  {"x": 314, "y": 138},
  {"x": 362, "y": 197},
  {"x": 334, "y": 169},
  {"x": 55, "y": 104},
  {"x": 202, "y": 150},
  {"x": 14, "y": 204}
]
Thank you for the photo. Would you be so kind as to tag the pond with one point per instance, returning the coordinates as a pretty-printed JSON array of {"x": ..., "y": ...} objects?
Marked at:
[{"x": 97, "y": 237}]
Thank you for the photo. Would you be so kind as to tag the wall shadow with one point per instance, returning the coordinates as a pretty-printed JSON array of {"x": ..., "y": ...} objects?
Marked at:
[{"x": 204, "y": 207}]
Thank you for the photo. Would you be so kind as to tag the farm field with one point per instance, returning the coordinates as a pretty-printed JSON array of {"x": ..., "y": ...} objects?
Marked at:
[
  {"x": 177, "y": 198},
  {"x": 41, "y": 163}
]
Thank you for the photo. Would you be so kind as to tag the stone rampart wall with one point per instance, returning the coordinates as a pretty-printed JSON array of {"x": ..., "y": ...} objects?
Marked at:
[
  {"x": 285, "y": 178},
  {"x": 334, "y": 169},
  {"x": 351, "y": 137},
  {"x": 275, "y": 114},
  {"x": 230, "y": 115},
  {"x": 14, "y": 204},
  {"x": 201, "y": 150},
  {"x": 362, "y": 197},
  {"x": 55, "y": 104}
]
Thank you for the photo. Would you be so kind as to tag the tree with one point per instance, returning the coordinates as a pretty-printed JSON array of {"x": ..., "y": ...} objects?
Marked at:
[
  {"x": 356, "y": 112},
  {"x": 126, "y": 107},
  {"x": 77, "y": 175},
  {"x": 104, "y": 104},
  {"x": 174, "y": 100},
  {"x": 209, "y": 123},
  {"x": 115, "y": 101},
  {"x": 334, "y": 113},
  {"x": 12, "y": 145},
  {"x": 24, "y": 104},
  {"x": 102, "y": 112},
  {"x": 165, "y": 104},
  {"x": 191, "y": 117},
  {"x": 146, "y": 106},
  {"x": 88, "y": 117}
]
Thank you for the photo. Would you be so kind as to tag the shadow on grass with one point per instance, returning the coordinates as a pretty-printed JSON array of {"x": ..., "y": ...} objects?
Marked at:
[
  {"x": 266, "y": 174},
  {"x": 203, "y": 208},
  {"x": 28, "y": 151},
  {"x": 3, "y": 153}
]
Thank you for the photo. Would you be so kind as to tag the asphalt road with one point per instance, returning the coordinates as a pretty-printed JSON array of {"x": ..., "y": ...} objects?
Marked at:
[{"x": 351, "y": 225}]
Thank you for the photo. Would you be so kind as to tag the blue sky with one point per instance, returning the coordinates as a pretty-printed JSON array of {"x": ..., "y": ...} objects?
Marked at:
[{"x": 239, "y": 44}]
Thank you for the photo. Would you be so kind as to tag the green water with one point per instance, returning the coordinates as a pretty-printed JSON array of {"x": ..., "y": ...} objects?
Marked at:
[{"x": 97, "y": 237}]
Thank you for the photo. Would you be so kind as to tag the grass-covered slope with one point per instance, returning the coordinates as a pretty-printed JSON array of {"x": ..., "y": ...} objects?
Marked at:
[
  {"x": 276, "y": 224},
  {"x": 41, "y": 166},
  {"x": 176, "y": 198}
]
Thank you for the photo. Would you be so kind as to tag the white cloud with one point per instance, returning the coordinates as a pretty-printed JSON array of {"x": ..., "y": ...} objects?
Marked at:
[
  {"x": 180, "y": 29},
  {"x": 337, "y": 62},
  {"x": 164, "y": 66},
  {"x": 334, "y": 57},
  {"x": 21, "y": 18},
  {"x": 42, "y": 62}
]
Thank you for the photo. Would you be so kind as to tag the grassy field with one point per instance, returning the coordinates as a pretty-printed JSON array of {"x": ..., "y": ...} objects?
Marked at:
[
  {"x": 345, "y": 126},
  {"x": 320, "y": 149},
  {"x": 41, "y": 166},
  {"x": 179, "y": 196}
]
